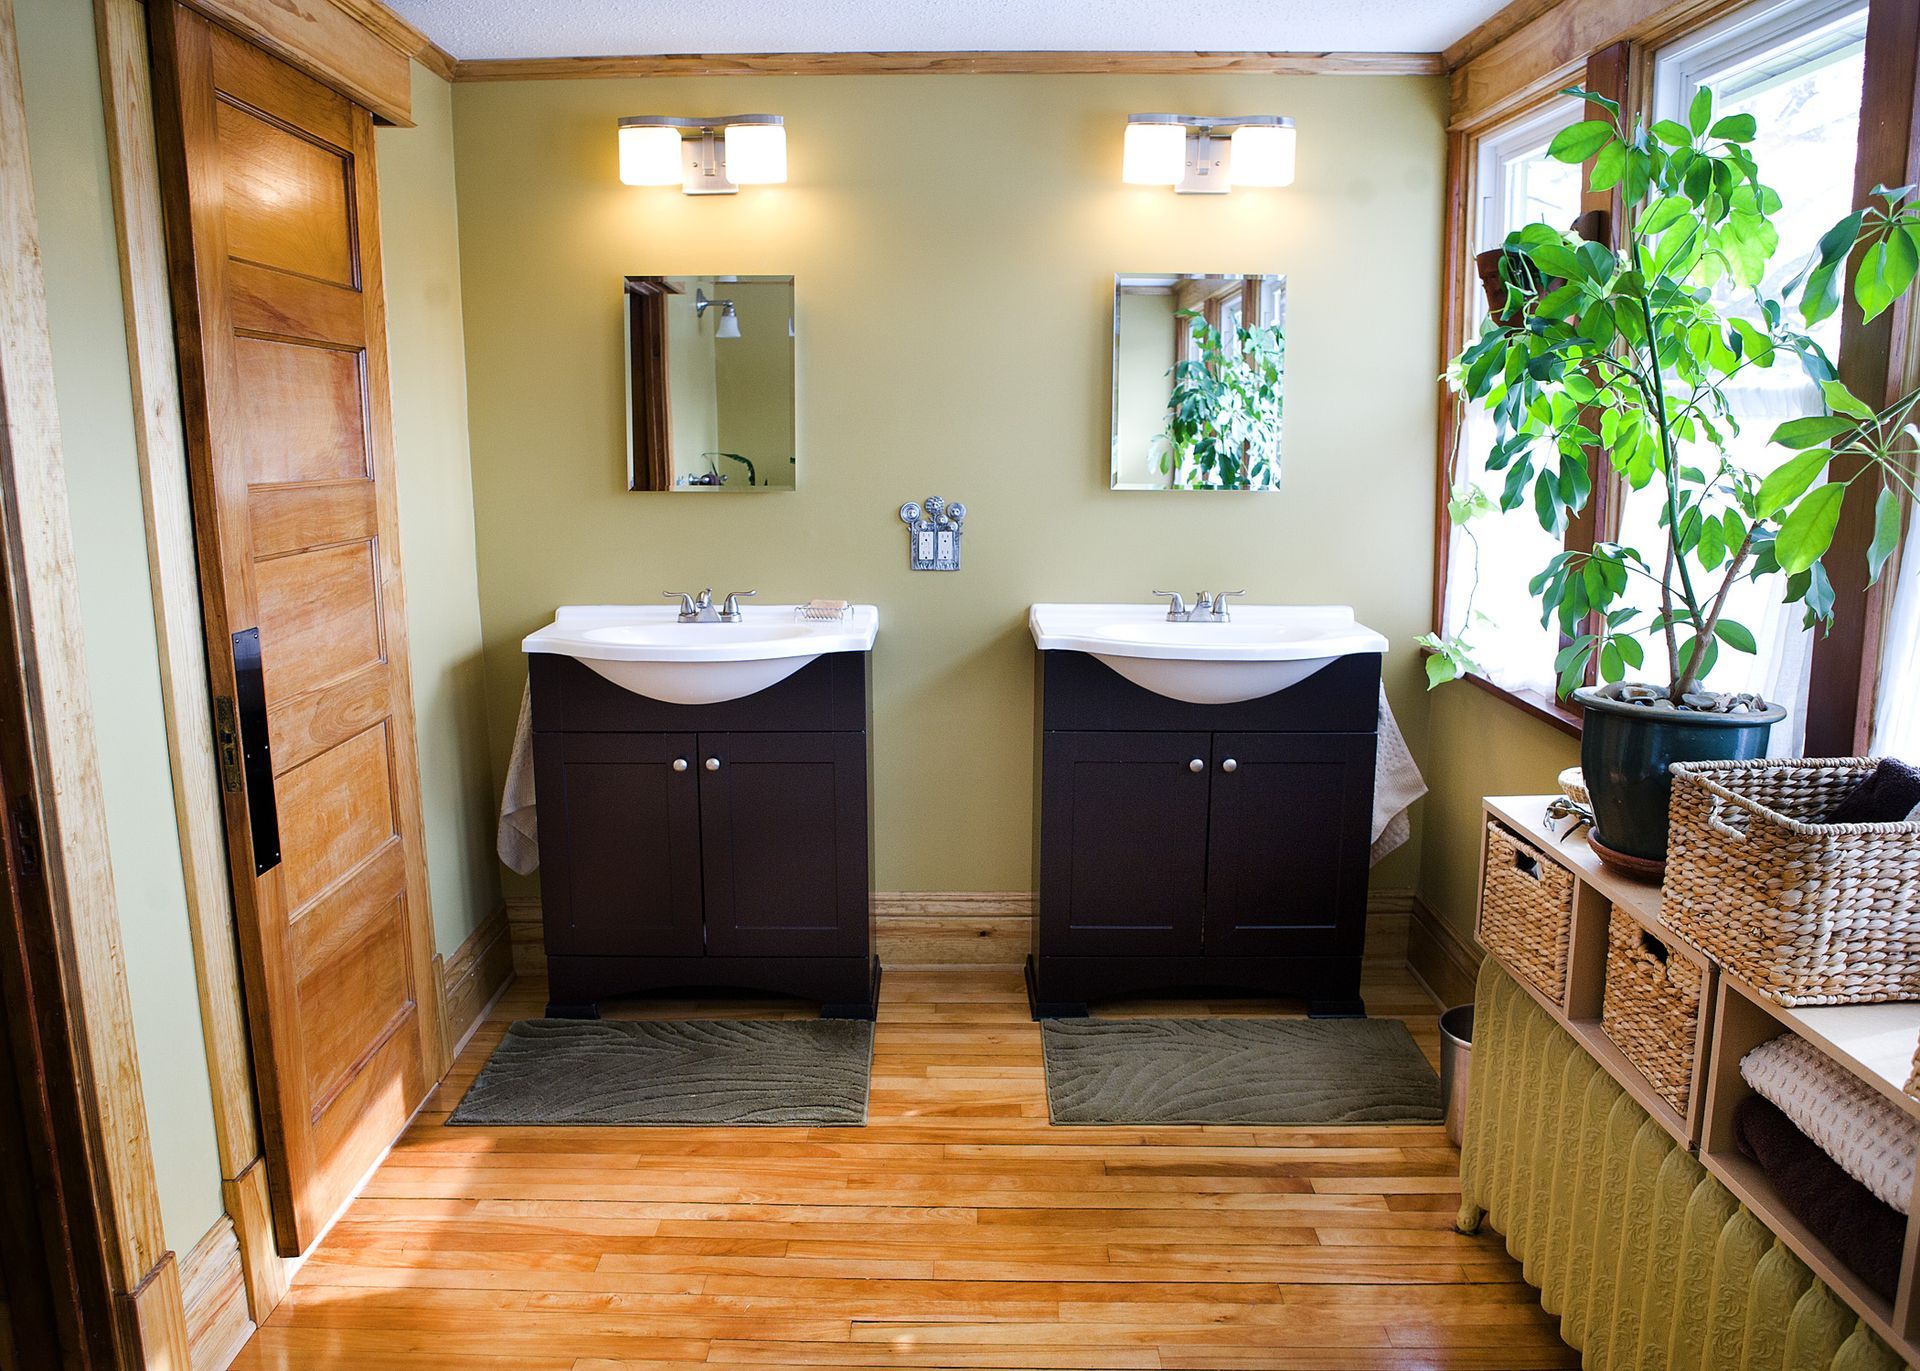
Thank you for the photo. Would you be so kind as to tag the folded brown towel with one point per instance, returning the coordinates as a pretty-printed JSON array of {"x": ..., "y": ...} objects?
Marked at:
[
  {"x": 1890, "y": 793},
  {"x": 1865, "y": 1233}
]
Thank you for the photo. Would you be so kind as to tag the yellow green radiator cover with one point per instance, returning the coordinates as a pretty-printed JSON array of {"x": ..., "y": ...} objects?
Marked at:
[{"x": 1650, "y": 1263}]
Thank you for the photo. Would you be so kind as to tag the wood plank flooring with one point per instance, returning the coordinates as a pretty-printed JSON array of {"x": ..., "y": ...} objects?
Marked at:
[{"x": 958, "y": 1229}]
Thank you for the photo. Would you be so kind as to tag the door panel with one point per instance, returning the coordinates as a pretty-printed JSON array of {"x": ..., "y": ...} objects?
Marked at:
[
  {"x": 1287, "y": 853},
  {"x": 272, "y": 225},
  {"x": 619, "y": 843},
  {"x": 1123, "y": 843},
  {"x": 783, "y": 828}
]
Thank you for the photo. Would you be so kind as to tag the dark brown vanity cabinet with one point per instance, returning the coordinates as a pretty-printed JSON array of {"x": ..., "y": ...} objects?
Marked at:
[
  {"x": 717, "y": 845},
  {"x": 1186, "y": 845}
]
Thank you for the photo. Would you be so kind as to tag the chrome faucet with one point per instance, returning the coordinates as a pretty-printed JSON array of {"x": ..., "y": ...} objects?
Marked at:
[
  {"x": 1207, "y": 608},
  {"x": 699, "y": 609}
]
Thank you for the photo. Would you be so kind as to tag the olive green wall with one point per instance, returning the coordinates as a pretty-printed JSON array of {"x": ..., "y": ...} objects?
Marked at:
[
  {"x": 954, "y": 241},
  {"x": 420, "y": 252},
  {"x": 1477, "y": 744},
  {"x": 67, "y": 143}
]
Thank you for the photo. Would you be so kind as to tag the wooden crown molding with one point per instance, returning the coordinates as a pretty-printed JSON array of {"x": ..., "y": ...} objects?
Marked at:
[{"x": 954, "y": 64}]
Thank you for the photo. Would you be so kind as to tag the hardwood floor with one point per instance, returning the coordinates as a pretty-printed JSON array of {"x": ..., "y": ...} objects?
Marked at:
[{"x": 958, "y": 1229}]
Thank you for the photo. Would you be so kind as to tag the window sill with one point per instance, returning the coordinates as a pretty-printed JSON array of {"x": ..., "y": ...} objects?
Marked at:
[
  {"x": 1545, "y": 708},
  {"x": 1558, "y": 713}
]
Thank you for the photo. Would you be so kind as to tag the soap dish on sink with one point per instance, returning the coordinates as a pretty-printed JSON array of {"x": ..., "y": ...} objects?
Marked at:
[{"x": 823, "y": 611}]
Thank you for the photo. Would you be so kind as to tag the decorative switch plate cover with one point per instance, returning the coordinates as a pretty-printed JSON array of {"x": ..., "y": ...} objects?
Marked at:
[{"x": 933, "y": 533}]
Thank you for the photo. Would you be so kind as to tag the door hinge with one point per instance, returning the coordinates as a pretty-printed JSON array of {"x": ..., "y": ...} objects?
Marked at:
[
  {"x": 226, "y": 731},
  {"x": 26, "y": 838}
]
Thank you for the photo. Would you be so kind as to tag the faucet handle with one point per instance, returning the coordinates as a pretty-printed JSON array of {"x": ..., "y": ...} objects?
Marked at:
[
  {"x": 731, "y": 609},
  {"x": 687, "y": 608},
  {"x": 1177, "y": 606},
  {"x": 1220, "y": 601}
]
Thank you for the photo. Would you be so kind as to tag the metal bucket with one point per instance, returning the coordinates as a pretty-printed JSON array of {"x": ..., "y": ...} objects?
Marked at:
[{"x": 1456, "y": 1065}]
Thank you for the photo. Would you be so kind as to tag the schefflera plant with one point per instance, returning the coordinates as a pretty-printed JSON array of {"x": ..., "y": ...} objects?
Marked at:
[
  {"x": 1224, "y": 411},
  {"x": 1632, "y": 352}
]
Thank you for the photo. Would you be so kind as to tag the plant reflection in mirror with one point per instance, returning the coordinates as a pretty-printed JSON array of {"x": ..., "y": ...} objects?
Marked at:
[{"x": 1223, "y": 417}]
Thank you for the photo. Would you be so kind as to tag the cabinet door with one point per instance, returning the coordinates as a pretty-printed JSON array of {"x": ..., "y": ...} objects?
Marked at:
[
  {"x": 1123, "y": 843},
  {"x": 1287, "y": 851},
  {"x": 783, "y": 820},
  {"x": 619, "y": 843}
]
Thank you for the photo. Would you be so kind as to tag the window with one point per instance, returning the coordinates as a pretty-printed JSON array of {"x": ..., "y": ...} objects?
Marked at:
[
  {"x": 1492, "y": 557},
  {"x": 1797, "y": 67}
]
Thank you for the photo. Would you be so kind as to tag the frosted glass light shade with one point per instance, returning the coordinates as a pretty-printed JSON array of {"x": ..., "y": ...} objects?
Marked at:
[
  {"x": 1154, "y": 155},
  {"x": 756, "y": 154},
  {"x": 650, "y": 156},
  {"x": 1263, "y": 155},
  {"x": 729, "y": 323}
]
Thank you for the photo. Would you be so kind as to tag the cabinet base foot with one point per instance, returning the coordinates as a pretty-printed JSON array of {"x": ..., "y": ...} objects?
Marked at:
[
  {"x": 1340, "y": 1008},
  {"x": 572, "y": 1011},
  {"x": 868, "y": 1008},
  {"x": 1050, "y": 1009}
]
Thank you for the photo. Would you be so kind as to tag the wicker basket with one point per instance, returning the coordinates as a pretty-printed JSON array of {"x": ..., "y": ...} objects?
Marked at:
[
  {"x": 1573, "y": 784},
  {"x": 1526, "y": 903},
  {"x": 1650, "y": 1009},
  {"x": 1804, "y": 912}
]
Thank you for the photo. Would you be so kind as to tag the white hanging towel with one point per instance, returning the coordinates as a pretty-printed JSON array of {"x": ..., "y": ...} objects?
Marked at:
[
  {"x": 519, "y": 840},
  {"x": 1396, "y": 785}
]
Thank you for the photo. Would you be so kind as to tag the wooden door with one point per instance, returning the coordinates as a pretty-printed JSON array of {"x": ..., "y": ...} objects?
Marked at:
[
  {"x": 1123, "y": 844},
  {"x": 783, "y": 838},
  {"x": 619, "y": 844},
  {"x": 1287, "y": 848},
  {"x": 273, "y": 239}
]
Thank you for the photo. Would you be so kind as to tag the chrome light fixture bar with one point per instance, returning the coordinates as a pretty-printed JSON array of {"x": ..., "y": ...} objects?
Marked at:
[
  {"x": 1200, "y": 154},
  {"x": 703, "y": 156}
]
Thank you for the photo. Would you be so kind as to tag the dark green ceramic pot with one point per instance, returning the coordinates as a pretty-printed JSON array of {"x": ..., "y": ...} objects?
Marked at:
[{"x": 1625, "y": 750}]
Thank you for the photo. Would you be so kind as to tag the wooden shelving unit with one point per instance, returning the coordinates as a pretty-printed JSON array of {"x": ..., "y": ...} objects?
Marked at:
[
  {"x": 1598, "y": 893},
  {"x": 1875, "y": 1042}
]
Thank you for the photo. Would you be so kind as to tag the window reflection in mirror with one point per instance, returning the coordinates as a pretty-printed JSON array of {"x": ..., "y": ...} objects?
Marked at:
[
  {"x": 1199, "y": 365},
  {"x": 710, "y": 383}
]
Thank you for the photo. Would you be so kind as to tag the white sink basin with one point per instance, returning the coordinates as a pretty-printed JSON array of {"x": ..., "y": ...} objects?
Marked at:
[
  {"x": 1260, "y": 650},
  {"x": 645, "y": 649}
]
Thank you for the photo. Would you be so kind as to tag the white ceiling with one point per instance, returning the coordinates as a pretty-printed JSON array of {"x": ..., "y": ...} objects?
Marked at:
[{"x": 477, "y": 29}]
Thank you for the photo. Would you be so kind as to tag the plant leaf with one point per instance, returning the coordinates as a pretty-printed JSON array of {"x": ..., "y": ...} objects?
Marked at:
[
  {"x": 1789, "y": 481},
  {"x": 1800, "y": 433},
  {"x": 1578, "y": 142},
  {"x": 1700, "y": 113},
  {"x": 1736, "y": 636},
  {"x": 1735, "y": 128},
  {"x": 1885, "y": 273},
  {"x": 1886, "y": 532},
  {"x": 1807, "y": 531},
  {"x": 1843, "y": 401}
]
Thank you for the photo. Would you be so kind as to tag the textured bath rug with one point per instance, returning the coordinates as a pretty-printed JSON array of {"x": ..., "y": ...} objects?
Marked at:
[
  {"x": 762, "y": 1072},
  {"x": 1238, "y": 1071}
]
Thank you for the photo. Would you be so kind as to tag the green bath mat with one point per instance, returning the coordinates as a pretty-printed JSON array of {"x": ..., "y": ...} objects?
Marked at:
[
  {"x": 808, "y": 1073},
  {"x": 1236, "y": 1071}
]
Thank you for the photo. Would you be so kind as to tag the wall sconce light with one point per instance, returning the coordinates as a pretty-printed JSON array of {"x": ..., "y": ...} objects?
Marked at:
[
  {"x": 729, "y": 325},
  {"x": 714, "y": 156},
  {"x": 1200, "y": 154}
]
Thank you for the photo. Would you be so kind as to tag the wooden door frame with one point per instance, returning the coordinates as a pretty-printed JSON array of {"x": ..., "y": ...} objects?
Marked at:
[{"x": 59, "y": 782}]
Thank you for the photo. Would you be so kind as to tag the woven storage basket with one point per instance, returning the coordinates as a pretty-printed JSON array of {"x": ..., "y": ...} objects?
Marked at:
[
  {"x": 1804, "y": 912},
  {"x": 1650, "y": 1009},
  {"x": 1526, "y": 903}
]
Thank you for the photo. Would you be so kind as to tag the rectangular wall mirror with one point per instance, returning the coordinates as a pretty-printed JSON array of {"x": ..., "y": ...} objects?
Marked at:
[
  {"x": 710, "y": 383},
  {"x": 1199, "y": 365}
]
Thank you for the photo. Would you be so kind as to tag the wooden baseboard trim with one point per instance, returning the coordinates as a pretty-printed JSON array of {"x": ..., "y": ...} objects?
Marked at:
[
  {"x": 473, "y": 977},
  {"x": 153, "y": 1320},
  {"x": 1446, "y": 964},
  {"x": 213, "y": 1289},
  {"x": 265, "y": 1271},
  {"x": 955, "y": 64},
  {"x": 933, "y": 928}
]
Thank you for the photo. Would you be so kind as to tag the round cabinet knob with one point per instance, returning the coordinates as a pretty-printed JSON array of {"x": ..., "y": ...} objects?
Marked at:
[
  {"x": 1196, "y": 765},
  {"x": 1229, "y": 765},
  {"x": 679, "y": 763},
  {"x": 713, "y": 763}
]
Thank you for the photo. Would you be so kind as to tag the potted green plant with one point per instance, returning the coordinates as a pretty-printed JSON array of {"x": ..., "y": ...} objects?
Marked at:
[
  {"x": 1223, "y": 415},
  {"x": 1632, "y": 352}
]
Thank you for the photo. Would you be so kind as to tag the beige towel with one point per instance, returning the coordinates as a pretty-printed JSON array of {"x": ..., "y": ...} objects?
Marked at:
[
  {"x": 519, "y": 840},
  {"x": 1396, "y": 785}
]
